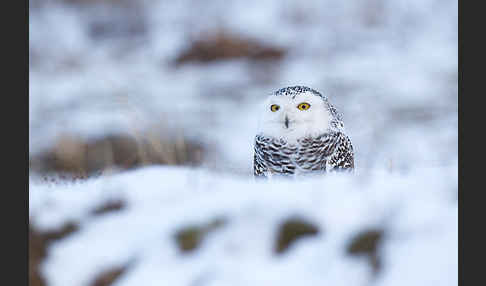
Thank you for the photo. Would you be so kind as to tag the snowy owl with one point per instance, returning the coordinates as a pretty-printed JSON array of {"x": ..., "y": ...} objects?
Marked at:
[{"x": 300, "y": 132}]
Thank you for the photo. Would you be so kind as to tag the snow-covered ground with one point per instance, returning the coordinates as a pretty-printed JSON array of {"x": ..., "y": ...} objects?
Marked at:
[
  {"x": 417, "y": 213},
  {"x": 106, "y": 67}
]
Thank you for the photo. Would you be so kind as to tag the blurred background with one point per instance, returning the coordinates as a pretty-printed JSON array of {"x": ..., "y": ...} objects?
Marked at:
[
  {"x": 120, "y": 84},
  {"x": 173, "y": 86}
]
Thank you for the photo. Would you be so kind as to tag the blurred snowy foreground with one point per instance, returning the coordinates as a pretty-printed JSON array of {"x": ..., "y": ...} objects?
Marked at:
[{"x": 182, "y": 226}]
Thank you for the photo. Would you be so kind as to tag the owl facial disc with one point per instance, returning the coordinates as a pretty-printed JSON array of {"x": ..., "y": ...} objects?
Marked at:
[{"x": 294, "y": 116}]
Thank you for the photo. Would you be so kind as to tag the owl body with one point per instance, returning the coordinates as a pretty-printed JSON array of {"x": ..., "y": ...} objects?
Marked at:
[{"x": 300, "y": 133}]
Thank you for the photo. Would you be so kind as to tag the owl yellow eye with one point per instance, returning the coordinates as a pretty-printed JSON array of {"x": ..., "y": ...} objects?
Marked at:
[
  {"x": 303, "y": 106},
  {"x": 274, "y": 107}
]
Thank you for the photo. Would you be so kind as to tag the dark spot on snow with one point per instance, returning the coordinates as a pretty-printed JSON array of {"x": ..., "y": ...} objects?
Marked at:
[
  {"x": 109, "y": 206},
  {"x": 223, "y": 46},
  {"x": 366, "y": 243},
  {"x": 38, "y": 243},
  {"x": 108, "y": 277},
  {"x": 189, "y": 238},
  {"x": 291, "y": 230}
]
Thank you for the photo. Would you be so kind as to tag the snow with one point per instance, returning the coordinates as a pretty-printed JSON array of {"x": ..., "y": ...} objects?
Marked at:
[
  {"x": 390, "y": 67},
  {"x": 418, "y": 212}
]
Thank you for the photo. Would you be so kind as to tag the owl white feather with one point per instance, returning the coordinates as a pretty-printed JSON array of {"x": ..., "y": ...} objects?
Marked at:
[{"x": 300, "y": 132}]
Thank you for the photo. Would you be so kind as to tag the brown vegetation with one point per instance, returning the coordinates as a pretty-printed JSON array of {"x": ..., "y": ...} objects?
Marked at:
[
  {"x": 291, "y": 230},
  {"x": 82, "y": 158},
  {"x": 366, "y": 243},
  {"x": 38, "y": 243},
  {"x": 189, "y": 238},
  {"x": 223, "y": 46},
  {"x": 108, "y": 277}
]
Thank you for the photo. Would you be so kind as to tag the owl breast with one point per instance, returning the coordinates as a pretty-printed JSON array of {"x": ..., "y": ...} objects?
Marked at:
[{"x": 311, "y": 154}]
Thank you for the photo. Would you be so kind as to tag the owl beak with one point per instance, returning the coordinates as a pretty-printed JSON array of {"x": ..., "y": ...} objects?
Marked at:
[{"x": 286, "y": 122}]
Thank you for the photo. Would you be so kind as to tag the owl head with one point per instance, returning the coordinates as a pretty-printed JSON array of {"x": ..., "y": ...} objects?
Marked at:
[{"x": 296, "y": 112}]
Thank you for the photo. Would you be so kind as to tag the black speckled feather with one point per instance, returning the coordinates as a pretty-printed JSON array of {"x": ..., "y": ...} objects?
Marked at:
[{"x": 331, "y": 151}]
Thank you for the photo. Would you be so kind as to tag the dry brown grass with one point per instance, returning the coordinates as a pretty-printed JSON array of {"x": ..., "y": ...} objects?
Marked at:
[
  {"x": 81, "y": 158},
  {"x": 221, "y": 45}
]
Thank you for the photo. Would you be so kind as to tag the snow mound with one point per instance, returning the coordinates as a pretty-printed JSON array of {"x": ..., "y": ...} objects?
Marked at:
[{"x": 181, "y": 226}]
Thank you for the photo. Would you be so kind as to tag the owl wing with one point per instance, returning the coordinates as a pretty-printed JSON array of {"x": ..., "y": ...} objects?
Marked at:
[
  {"x": 332, "y": 151},
  {"x": 342, "y": 154},
  {"x": 259, "y": 167}
]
